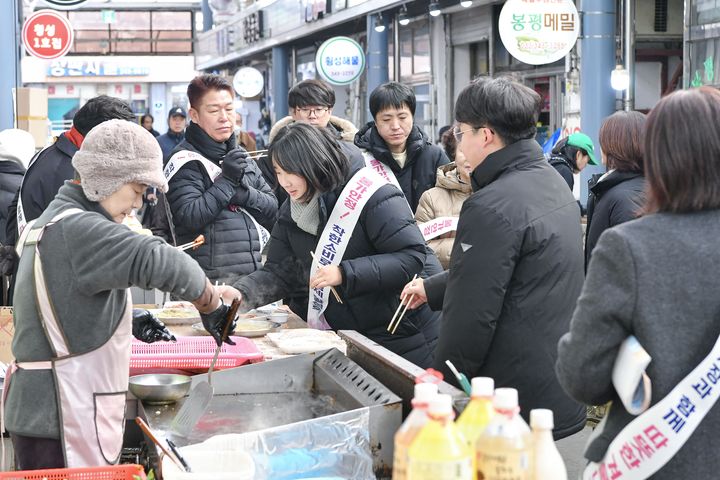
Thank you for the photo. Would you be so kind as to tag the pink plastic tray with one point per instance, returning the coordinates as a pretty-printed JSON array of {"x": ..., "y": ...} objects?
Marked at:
[{"x": 190, "y": 354}]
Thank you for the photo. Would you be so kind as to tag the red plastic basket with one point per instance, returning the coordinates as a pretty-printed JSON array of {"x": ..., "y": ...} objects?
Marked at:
[
  {"x": 114, "y": 472},
  {"x": 191, "y": 354}
]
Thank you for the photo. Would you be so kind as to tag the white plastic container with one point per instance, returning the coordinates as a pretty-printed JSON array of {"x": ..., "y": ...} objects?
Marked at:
[{"x": 547, "y": 460}]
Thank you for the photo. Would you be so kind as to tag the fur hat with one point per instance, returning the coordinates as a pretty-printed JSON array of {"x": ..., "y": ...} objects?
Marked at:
[{"x": 117, "y": 152}]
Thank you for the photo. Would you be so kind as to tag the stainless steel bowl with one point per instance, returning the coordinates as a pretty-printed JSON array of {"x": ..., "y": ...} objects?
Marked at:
[{"x": 159, "y": 388}]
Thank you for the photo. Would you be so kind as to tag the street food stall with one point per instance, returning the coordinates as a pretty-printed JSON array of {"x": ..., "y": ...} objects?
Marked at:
[{"x": 357, "y": 389}]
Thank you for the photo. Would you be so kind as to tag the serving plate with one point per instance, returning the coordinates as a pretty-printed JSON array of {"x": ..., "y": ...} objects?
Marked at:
[{"x": 246, "y": 327}]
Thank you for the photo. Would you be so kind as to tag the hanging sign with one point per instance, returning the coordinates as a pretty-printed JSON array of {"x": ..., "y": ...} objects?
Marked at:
[
  {"x": 538, "y": 32},
  {"x": 248, "y": 82},
  {"x": 340, "y": 60},
  {"x": 65, "y": 4},
  {"x": 47, "y": 34}
]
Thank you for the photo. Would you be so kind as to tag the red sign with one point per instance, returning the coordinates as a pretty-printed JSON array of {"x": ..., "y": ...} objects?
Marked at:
[{"x": 47, "y": 34}]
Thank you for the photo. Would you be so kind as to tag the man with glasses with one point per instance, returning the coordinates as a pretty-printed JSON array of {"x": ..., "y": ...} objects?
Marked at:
[
  {"x": 516, "y": 267},
  {"x": 216, "y": 189},
  {"x": 404, "y": 151},
  {"x": 312, "y": 101}
]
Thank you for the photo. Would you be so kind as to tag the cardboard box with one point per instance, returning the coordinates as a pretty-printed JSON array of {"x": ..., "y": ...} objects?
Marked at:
[
  {"x": 32, "y": 114},
  {"x": 39, "y": 129},
  {"x": 7, "y": 330},
  {"x": 31, "y": 103}
]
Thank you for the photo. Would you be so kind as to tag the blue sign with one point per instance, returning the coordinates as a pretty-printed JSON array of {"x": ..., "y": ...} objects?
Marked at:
[{"x": 94, "y": 68}]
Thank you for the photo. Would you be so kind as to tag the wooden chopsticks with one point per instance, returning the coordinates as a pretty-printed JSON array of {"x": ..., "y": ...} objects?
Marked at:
[
  {"x": 391, "y": 328},
  {"x": 332, "y": 289},
  {"x": 194, "y": 244}
]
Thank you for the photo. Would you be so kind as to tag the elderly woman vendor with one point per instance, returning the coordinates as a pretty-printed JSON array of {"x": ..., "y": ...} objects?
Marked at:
[{"x": 73, "y": 313}]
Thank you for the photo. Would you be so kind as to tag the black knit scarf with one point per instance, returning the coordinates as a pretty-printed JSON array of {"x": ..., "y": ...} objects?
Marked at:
[{"x": 209, "y": 148}]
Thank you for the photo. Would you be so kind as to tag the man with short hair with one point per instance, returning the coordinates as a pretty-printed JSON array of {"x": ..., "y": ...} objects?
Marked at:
[
  {"x": 401, "y": 146},
  {"x": 516, "y": 267},
  {"x": 312, "y": 101},
  {"x": 216, "y": 189},
  {"x": 176, "y": 131}
]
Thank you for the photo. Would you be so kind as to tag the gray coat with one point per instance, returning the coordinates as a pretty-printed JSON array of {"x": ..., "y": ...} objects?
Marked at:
[
  {"x": 655, "y": 278},
  {"x": 89, "y": 261}
]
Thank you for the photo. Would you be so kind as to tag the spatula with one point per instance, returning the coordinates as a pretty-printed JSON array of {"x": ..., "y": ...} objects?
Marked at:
[{"x": 199, "y": 397}]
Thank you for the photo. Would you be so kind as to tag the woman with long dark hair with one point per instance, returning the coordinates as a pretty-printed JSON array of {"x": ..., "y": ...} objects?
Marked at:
[
  {"x": 617, "y": 195},
  {"x": 364, "y": 240},
  {"x": 655, "y": 278}
]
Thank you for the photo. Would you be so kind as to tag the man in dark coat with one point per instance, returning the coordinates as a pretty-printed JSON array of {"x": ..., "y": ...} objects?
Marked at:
[
  {"x": 516, "y": 267},
  {"x": 393, "y": 139},
  {"x": 312, "y": 101},
  {"x": 230, "y": 210},
  {"x": 176, "y": 132}
]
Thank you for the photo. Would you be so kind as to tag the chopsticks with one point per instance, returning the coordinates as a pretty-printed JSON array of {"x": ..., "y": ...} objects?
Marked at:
[
  {"x": 194, "y": 244},
  {"x": 391, "y": 328},
  {"x": 255, "y": 154},
  {"x": 145, "y": 428},
  {"x": 332, "y": 289}
]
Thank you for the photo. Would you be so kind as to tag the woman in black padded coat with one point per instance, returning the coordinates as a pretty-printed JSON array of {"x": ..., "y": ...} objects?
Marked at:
[{"x": 384, "y": 252}]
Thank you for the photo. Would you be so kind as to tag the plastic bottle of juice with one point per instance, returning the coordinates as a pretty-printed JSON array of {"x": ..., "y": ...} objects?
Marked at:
[
  {"x": 440, "y": 451},
  {"x": 504, "y": 450},
  {"x": 410, "y": 428},
  {"x": 547, "y": 460},
  {"x": 478, "y": 413}
]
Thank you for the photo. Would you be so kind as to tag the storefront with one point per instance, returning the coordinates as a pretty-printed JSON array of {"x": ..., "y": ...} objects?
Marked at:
[
  {"x": 150, "y": 84},
  {"x": 702, "y": 43}
]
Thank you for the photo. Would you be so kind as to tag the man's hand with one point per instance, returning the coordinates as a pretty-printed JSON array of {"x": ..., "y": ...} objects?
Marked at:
[
  {"x": 215, "y": 321},
  {"x": 327, "y": 276},
  {"x": 234, "y": 165},
  {"x": 417, "y": 288},
  {"x": 147, "y": 328}
]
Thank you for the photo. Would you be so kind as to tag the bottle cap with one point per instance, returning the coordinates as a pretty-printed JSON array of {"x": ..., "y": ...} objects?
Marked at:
[
  {"x": 505, "y": 399},
  {"x": 440, "y": 405},
  {"x": 483, "y": 387},
  {"x": 541, "y": 419},
  {"x": 424, "y": 392}
]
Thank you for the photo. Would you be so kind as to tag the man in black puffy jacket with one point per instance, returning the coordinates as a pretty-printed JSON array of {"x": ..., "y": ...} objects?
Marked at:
[
  {"x": 216, "y": 189},
  {"x": 393, "y": 139},
  {"x": 516, "y": 267}
]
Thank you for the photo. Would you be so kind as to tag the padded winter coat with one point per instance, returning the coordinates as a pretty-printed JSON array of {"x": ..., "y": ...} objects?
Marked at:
[
  {"x": 444, "y": 200},
  {"x": 385, "y": 251},
  {"x": 423, "y": 159},
  {"x": 199, "y": 206}
]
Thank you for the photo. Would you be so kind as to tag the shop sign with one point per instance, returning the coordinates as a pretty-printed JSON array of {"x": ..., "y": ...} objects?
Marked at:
[
  {"x": 340, "y": 60},
  {"x": 47, "y": 34},
  {"x": 94, "y": 68},
  {"x": 65, "y": 4},
  {"x": 538, "y": 32},
  {"x": 248, "y": 82}
]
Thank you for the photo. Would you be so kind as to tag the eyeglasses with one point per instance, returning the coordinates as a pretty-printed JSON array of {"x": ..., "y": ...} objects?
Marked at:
[
  {"x": 317, "y": 111},
  {"x": 459, "y": 133}
]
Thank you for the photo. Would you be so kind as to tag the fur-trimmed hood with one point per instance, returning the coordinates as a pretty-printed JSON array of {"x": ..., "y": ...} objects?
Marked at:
[{"x": 344, "y": 129}]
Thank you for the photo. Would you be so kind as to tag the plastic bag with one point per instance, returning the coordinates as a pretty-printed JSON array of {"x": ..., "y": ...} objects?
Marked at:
[{"x": 334, "y": 446}]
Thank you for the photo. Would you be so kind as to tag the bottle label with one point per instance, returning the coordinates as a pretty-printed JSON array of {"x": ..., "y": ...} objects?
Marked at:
[
  {"x": 503, "y": 466},
  {"x": 460, "y": 469}
]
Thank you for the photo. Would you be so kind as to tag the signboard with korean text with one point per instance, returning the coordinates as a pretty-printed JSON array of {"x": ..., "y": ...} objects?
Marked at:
[
  {"x": 340, "y": 60},
  {"x": 47, "y": 34},
  {"x": 538, "y": 32},
  {"x": 94, "y": 68},
  {"x": 248, "y": 82}
]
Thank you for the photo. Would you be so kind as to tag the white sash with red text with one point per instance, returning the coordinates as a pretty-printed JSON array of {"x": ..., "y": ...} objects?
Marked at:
[
  {"x": 653, "y": 438},
  {"x": 335, "y": 236},
  {"x": 438, "y": 226},
  {"x": 381, "y": 169},
  {"x": 178, "y": 160}
]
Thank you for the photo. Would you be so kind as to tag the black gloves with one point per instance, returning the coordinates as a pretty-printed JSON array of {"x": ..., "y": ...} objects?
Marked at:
[
  {"x": 234, "y": 165},
  {"x": 214, "y": 322},
  {"x": 147, "y": 328}
]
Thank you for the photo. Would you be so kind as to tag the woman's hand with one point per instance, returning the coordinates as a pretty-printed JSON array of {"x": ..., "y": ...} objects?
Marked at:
[
  {"x": 327, "y": 276},
  {"x": 416, "y": 288}
]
